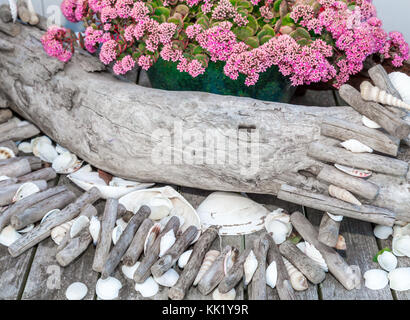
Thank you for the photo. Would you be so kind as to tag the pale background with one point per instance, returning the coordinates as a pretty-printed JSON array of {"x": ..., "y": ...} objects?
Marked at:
[{"x": 395, "y": 14}]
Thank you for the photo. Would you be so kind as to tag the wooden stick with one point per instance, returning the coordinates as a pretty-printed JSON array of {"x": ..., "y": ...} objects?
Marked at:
[
  {"x": 372, "y": 162},
  {"x": 337, "y": 266},
  {"x": 258, "y": 283},
  {"x": 172, "y": 255},
  {"x": 374, "y": 111},
  {"x": 283, "y": 285},
  {"x": 338, "y": 207},
  {"x": 187, "y": 277},
  {"x": 5, "y": 115},
  {"x": 381, "y": 79},
  {"x": 15, "y": 168},
  {"x": 137, "y": 245},
  {"x": 375, "y": 139},
  {"x": 8, "y": 182},
  {"x": 310, "y": 268},
  {"x": 74, "y": 248},
  {"x": 215, "y": 273},
  {"x": 104, "y": 242},
  {"x": 329, "y": 231},
  {"x": 124, "y": 241},
  {"x": 144, "y": 269},
  {"x": 11, "y": 145},
  {"x": 39, "y": 210},
  {"x": 43, "y": 230},
  {"x": 11, "y": 124},
  {"x": 27, "y": 202},
  {"x": 361, "y": 187},
  {"x": 42, "y": 174},
  {"x": 20, "y": 133},
  {"x": 7, "y": 193}
]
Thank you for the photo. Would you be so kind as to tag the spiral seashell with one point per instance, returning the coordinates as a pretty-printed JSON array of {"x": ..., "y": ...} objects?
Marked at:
[
  {"x": 401, "y": 83},
  {"x": 209, "y": 259},
  {"x": 297, "y": 279},
  {"x": 58, "y": 233},
  {"x": 375, "y": 94},
  {"x": 230, "y": 259},
  {"x": 250, "y": 265},
  {"x": 343, "y": 194},
  {"x": 315, "y": 255},
  {"x": 356, "y": 146}
]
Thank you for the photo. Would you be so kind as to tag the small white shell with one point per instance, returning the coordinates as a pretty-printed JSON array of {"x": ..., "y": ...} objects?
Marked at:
[
  {"x": 297, "y": 279},
  {"x": 167, "y": 241},
  {"x": 25, "y": 190},
  {"x": 370, "y": 123},
  {"x": 168, "y": 279},
  {"x": 151, "y": 236},
  {"x": 49, "y": 214},
  {"x": 108, "y": 289},
  {"x": 271, "y": 275},
  {"x": 3, "y": 178},
  {"x": 116, "y": 234},
  {"x": 401, "y": 83},
  {"x": 343, "y": 195},
  {"x": 334, "y": 217},
  {"x": 382, "y": 232},
  {"x": 375, "y": 279},
  {"x": 94, "y": 228},
  {"x": 387, "y": 261},
  {"x": 9, "y": 235},
  {"x": 26, "y": 229},
  {"x": 60, "y": 149},
  {"x": 354, "y": 172},
  {"x": 400, "y": 279},
  {"x": 356, "y": 146},
  {"x": 148, "y": 288},
  {"x": 315, "y": 255},
  {"x": 230, "y": 295},
  {"x": 34, "y": 143},
  {"x": 78, "y": 225},
  {"x": 278, "y": 225},
  {"x": 58, "y": 233},
  {"x": 76, "y": 291},
  {"x": 45, "y": 151},
  {"x": 66, "y": 163},
  {"x": 401, "y": 246},
  {"x": 122, "y": 223},
  {"x": 209, "y": 259},
  {"x": 250, "y": 265},
  {"x": 129, "y": 271},
  {"x": 6, "y": 153},
  {"x": 25, "y": 147},
  {"x": 160, "y": 207},
  {"x": 184, "y": 258}
]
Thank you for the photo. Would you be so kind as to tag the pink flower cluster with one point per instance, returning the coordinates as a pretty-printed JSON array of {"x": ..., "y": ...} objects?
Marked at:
[
  {"x": 74, "y": 10},
  {"x": 54, "y": 41}
]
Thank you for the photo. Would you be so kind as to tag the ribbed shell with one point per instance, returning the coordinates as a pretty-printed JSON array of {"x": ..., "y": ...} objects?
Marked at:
[
  {"x": 209, "y": 259},
  {"x": 343, "y": 194},
  {"x": 297, "y": 279}
]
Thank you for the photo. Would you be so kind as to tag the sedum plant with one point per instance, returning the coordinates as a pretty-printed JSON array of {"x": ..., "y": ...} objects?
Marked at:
[{"x": 308, "y": 40}]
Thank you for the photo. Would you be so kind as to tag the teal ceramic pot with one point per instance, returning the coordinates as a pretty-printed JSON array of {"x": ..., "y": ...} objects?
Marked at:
[{"x": 271, "y": 86}]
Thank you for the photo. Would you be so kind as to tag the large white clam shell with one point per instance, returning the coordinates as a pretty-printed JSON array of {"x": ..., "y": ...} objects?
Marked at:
[
  {"x": 271, "y": 275},
  {"x": 148, "y": 288},
  {"x": 76, "y": 291},
  {"x": 168, "y": 279},
  {"x": 108, "y": 289},
  {"x": 6, "y": 153},
  {"x": 129, "y": 271},
  {"x": 382, "y": 232},
  {"x": 401, "y": 82},
  {"x": 78, "y": 225},
  {"x": 9, "y": 235},
  {"x": 400, "y": 279},
  {"x": 230, "y": 295},
  {"x": 387, "y": 261},
  {"x": 66, "y": 163},
  {"x": 250, "y": 265},
  {"x": 94, "y": 228},
  {"x": 356, "y": 146},
  {"x": 375, "y": 279},
  {"x": 60, "y": 149},
  {"x": 277, "y": 224},
  {"x": 25, "y": 147},
  {"x": 184, "y": 258},
  {"x": 25, "y": 190}
]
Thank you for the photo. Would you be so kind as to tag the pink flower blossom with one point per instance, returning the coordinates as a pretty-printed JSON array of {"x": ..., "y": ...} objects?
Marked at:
[
  {"x": 108, "y": 51},
  {"x": 145, "y": 62},
  {"x": 53, "y": 43}
]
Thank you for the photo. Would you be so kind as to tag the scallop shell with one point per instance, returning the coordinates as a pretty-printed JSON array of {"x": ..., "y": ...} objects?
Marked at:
[
  {"x": 184, "y": 258},
  {"x": 387, "y": 261},
  {"x": 401, "y": 83},
  {"x": 116, "y": 234},
  {"x": 78, "y": 225},
  {"x": 25, "y": 190},
  {"x": 230, "y": 295},
  {"x": 167, "y": 241},
  {"x": 314, "y": 254},
  {"x": 25, "y": 147},
  {"x": 356, "y": 146},
  {"x": 278, "y": 225},
  {"x": 230, "y": 259},
  {"x": 151, "y": 236},
  {"x": 148, "y": 288},
  {"x": 34, "y": 143},
  {"x": 271, "y": 275},
  {"x": 343, "y": 194},
  {"x": 375, "y": 279},
  {"x": 354, "y": 172},
  {"x": 334, "y": 217},
  {"x": 382, "y": 232},
  {"x": 168, "y": 279},
  {"x": 372, "y": 93},
  {"x": 6, "y": 153},
  {"x": 370, "y": 123},
  {"x": 58, "y": 233},
  {"x": 209, "y": 259},
  {"x": 400, "y": 279},
  {"x": 297, "y": 279},
  {"x": 45, "y": 151},
  {"x": 66, "y": 163},
  {"x": 108, "y": 289},
  {"x": 76, "y": 291},
  {"x": 129, "y": 271},
  {"x": 250, "y": 265},
  {"x": 94, "y": 229},
  {"x": 8, "y": 236}
]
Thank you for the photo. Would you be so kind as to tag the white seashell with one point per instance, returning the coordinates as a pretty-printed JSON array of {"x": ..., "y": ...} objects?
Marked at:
[
  {"x": 167, "y": 241},
  {"x": 354, "y": 172},
  {"x": 129, "y": 271},
  {"x": 8, "y": 236},
  {"x": 122, "y": 223},
  {"x": 6, "y": 153},
  {"x": 60, "y": 149},
  {"x": 94, "y": 229},
  {"x": 356, "y": 146},
  {"x": 3, "y": 178},
  {"x": 297, "y": 279},
  {"x": 401, "y": 83},
  {"x": 116, "y": 234},
  {"x": 66, "y": 163},
  {"x": 108, "y": 289},
  {"x": 278, "y": 225},
  {"x": 151, "y": 236},
  {"x": 34, "y": 143},
  {"x": 160, "y": 207},
  {"x": 76, "y": 291},
  {"x": 58, "y": 233},
  {"x": 315, "y": 255},
  {"x": 400, "y": 279},
  {"x": 343, "y": 195},
  {"x": 230, "y": 259},
  {"x": 271, "y": 275},
  {"x": 78, "y": 225},
  {"x": 334, "y": 218},
  {"x": 370, "y": 123},
  {"x": 209, "y": 259},
  {"x": 375, "y": 279},
  {"x": 26, "y": 229},
  {"x": 302, "y": 246},
  {"x": 25, "y": 190},
  {"x": 13, "y": 9},
  {"x": 250, "y": 265},
  {"x": 387, "y": 261},
  {"x": 25, "y": 147},
  {"x": 49, "y": 214},
  {"x": 46, "y": 151},
  {"x": 184, "y": 258},
  {"x": 230, "y": 295},
  {"x": 168, "y": 279},
  {"x": 382, "y": 232},
  {"x": 401, "y": 246},
  {"x": 372, "y": 93},
  {"x": 148, "y": 288}
]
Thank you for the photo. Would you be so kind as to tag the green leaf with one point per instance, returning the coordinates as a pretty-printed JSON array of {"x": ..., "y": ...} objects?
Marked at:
[
  {"x": 162, "y": 11},
  {"x": 182, "y": 9},
  {"x": 252, "y": 41},
  {"x": 242, "y": 33},
  {"x": 197, "y": 50},
  {"x": 276, "y": 5},
  {"x": 252, "y": 23},
  {"x": 244, "y": 4},
  {"x": 287, "y": 21},
  {"x": 203, "y": 21},
  {"x": 177, "y": 21},
  {"x": 266, "y": 38},
  {"x": 295, "y": 239},
  {"x": 300, "y": 33},
  {"x": 380, "y": 252},
  {"x": 203, "y": 58},
  {"x": 269, "y": 29},
  {"x": 304, "y": 42}
]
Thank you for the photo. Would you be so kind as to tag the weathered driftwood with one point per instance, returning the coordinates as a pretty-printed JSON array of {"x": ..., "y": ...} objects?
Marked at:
[
  {"x": 15, "y": 168},
  {"x": 381, "y": 79},
  {"x": 12, "y": 123},
  {"x": 346, "y": 275},
  {"x": 345, "y": 130},
  {"x": 187, "y": 277},
  {"x": 35, "y": 162},
  {"x": 124, "y": 241},
  {"x": 27, "y": 202},
  {"x": 74, "y": 248},
  {"x": 336, "y": 206},
  {"x": 104, "y": 241},
  {"x": 371, "y": 162},
  {"x": 5, "y": 115},
  {"x": 5, "y": 14},
  {"x": 39, "y": 210},
  {"x": 20, "y": 133},
  {"x": 43, "y": 230},
  {"x": 311, "y": 269},
  {"x": 214, "y": 275},
  {"x": 144, "y": 269},
  {"x": 329, "y": 231},
  {"x": 361, "y": 187},
  {"x": 258, "y": 283},
  {"x": 7, "y": 193},
  {"x": 172, "y": 255},
  {"x": 42, "y": 174},
  {"x": 10, "y": 29},
  {"x": 11, "y": 145},
  {"x": 136, "y": 247},
  {"x": 8, "y": 182}
]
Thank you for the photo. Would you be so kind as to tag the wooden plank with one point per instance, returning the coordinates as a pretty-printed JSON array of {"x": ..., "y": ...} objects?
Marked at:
[{"x": 361, "y": 247}]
